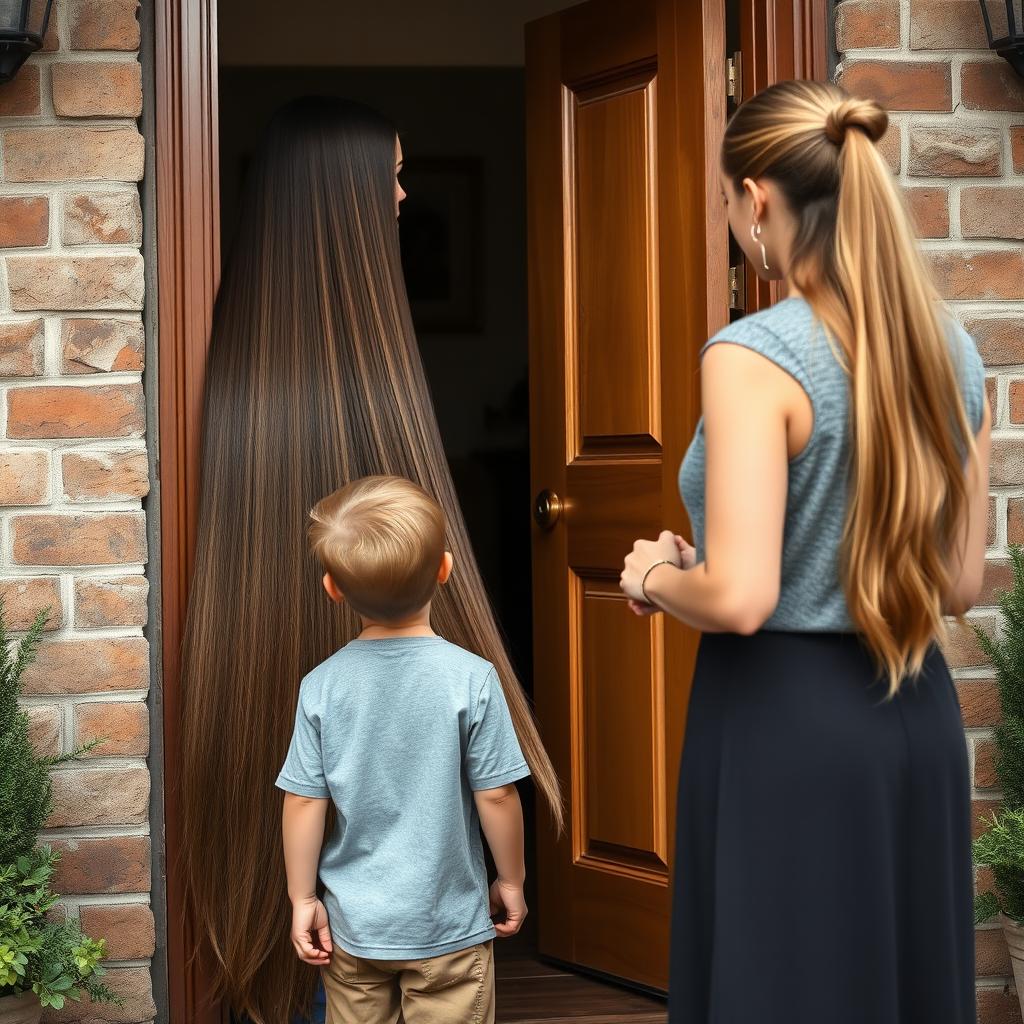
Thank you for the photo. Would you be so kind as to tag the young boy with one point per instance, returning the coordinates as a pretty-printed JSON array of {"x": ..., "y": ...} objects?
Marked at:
[{"x": 411, "y": 738}]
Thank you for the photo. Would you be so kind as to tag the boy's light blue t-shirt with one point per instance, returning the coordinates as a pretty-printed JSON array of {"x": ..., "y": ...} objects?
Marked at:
[{"x": 398, "y": 733}]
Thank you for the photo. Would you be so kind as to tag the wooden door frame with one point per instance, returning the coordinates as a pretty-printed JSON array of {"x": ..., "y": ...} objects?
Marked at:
[
  {"x": 188, "y": 272},
  {"x": 790, "y": 39}
]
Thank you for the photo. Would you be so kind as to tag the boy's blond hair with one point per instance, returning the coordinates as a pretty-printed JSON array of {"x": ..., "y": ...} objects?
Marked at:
[{"x": 381, "y": 539}]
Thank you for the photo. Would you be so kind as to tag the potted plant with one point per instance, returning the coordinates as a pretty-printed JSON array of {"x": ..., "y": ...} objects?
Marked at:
[
  {"x": 43, "y": 961},
  {"x": 1001, "y": 846}
]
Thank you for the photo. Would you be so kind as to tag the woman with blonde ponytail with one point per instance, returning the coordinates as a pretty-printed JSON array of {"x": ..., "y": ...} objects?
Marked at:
[{"x": 837, "y": 488}]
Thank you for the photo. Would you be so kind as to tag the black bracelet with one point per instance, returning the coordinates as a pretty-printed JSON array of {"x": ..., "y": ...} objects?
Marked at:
[{"x": 653, "y": 565}]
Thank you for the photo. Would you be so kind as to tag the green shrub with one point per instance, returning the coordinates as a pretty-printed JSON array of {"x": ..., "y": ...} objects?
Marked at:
[
  {"x": 51, "y": 958},
  {"x": 1001, "y": 846},
  {"x": 37, "y": 954}
]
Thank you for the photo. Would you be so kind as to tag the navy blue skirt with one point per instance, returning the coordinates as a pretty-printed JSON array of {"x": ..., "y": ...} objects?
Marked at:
[{"x": 823, "y": 858}]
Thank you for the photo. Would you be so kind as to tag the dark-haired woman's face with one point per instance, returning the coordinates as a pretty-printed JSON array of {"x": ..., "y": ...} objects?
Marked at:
[{"x": 399, "y": 191}]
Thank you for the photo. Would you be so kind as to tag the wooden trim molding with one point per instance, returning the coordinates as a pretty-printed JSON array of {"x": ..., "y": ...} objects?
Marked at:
[
  {"x": 812, "y": 42},
  {"x": 780, "y": 39},
  {"x": 188, "y": 269}
]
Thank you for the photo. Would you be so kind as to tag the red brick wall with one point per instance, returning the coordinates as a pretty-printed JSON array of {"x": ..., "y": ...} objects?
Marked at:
[
  {"x": 73, "y": 463},
  {"x": 957, "y": 144}
]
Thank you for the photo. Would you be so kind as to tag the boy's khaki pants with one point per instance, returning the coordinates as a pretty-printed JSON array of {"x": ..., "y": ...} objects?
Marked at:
[{"x": 456, "y": 988}]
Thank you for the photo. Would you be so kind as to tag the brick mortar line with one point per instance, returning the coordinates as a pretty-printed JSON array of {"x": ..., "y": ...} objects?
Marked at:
[
  {"x": 62, "y": 504},
  {"x": 67, "y": 598},
  {"x": 988, "y": 309},
  {"x": 97, "y": 633},
  {"x": 979, "y": 733},
  {"x": 52, "y": 348},
  {"x": 81, "y": 249},
  {"x": 16, "y": 571},
  {"x": 994, "y": 981},
  {"x": 102, "y": 763},
  {"x": 889, "y": 55},
  {"x": 954, "y": 207},
  {"x": 18, "y": 122},
  {"x": 972, "y": 246},
  {"x": 1015, "y": 432},
  {"x": 5, "y": 296},
  {"x": 1000, "y": 415},
  {"x": 62, "y": 701},
  {"x": 951, "y": 182},
  {"x": 118, "y": 899},
  {"x": 915, "y": 55},
  {"x": 47, "y": 58},
  {"x": 89, "y": 697},
  {"x": 960, "y": 118},
  {"x": 79, "y": 380},
  {"x": 52, "y": 189},
  {"x": 103, "y": 446},
  {"x": 73, "y": 445},
  {"x": 96, "y": 832},
  {"x": 956, "y": 72},
  {"x": 66, "y": 711}
]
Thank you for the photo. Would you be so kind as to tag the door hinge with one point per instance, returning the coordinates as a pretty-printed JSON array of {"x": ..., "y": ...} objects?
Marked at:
[
  {"x": 738, "y": 288},
  {"x": 734, "y": 77}
]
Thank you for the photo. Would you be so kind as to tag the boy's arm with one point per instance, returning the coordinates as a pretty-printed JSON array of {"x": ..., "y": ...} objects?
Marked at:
[
  {"x": 501, "y": 819},
  {"x": 302, "y": 826}
]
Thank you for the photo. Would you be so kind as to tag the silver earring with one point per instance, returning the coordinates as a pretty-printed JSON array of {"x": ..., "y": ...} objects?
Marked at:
[{"x": 755, "y": 234}]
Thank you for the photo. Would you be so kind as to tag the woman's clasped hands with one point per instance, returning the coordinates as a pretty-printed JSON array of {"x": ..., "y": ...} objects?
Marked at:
[{"x": 669, "y": 547}]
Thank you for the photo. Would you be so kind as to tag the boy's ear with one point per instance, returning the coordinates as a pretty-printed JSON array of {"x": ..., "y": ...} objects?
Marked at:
[
  {"x": 332, "y": 589},
  {"x": 446, "y": 567}
]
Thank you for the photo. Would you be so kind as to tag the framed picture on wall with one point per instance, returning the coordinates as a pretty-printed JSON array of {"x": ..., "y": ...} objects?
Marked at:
[{"x": 441, "y": 228}]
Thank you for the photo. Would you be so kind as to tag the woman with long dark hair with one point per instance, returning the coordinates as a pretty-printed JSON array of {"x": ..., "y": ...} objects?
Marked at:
[
  {"x": 314, "y": 379},
  {"x": 837, "y": 487}
]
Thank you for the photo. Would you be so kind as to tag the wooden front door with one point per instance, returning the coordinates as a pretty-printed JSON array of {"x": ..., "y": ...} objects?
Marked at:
[
  {"x": 617, "y": 115},
  {"x": 628, "y": 252}
]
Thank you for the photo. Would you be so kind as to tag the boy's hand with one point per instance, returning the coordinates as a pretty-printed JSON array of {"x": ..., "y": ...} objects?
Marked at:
[
  {"x": 311, "y": 934},
  {"x": 508, "y": 898}
]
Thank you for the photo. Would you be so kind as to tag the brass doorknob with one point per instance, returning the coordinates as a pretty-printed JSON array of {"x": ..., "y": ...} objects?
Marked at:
[{"x": 547, "y": 507}]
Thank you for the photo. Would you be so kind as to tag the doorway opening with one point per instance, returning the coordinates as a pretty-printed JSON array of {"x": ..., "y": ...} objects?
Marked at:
[{"x": 451, "y": 77}]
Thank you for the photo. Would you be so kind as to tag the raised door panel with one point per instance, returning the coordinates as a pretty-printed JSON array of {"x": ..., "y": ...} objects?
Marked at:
[{"x": 612, "y": 251}]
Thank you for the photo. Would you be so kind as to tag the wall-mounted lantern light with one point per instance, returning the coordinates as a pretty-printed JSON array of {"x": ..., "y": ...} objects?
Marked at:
[
  {"x": 1004, "y": 25},
  {"x": 22, "y": 28}
]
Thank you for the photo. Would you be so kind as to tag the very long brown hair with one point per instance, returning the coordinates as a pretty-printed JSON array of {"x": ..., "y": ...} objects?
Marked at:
[
  {"x": 856, "y": 260},
  {"x": 314, "y": 378}
]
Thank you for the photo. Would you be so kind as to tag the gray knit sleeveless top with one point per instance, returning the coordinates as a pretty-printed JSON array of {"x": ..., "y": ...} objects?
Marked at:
[{"x": 811, "y": 596}]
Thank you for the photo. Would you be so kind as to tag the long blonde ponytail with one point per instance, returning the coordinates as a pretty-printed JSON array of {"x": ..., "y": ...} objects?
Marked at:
[{"x": 856, "y": 260}]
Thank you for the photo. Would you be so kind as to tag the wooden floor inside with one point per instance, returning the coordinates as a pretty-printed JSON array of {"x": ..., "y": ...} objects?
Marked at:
[{"x": 532, "y": 992}]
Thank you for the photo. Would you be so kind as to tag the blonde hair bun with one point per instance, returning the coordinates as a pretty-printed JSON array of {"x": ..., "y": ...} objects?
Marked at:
[{"x": 865, "y": 115}]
